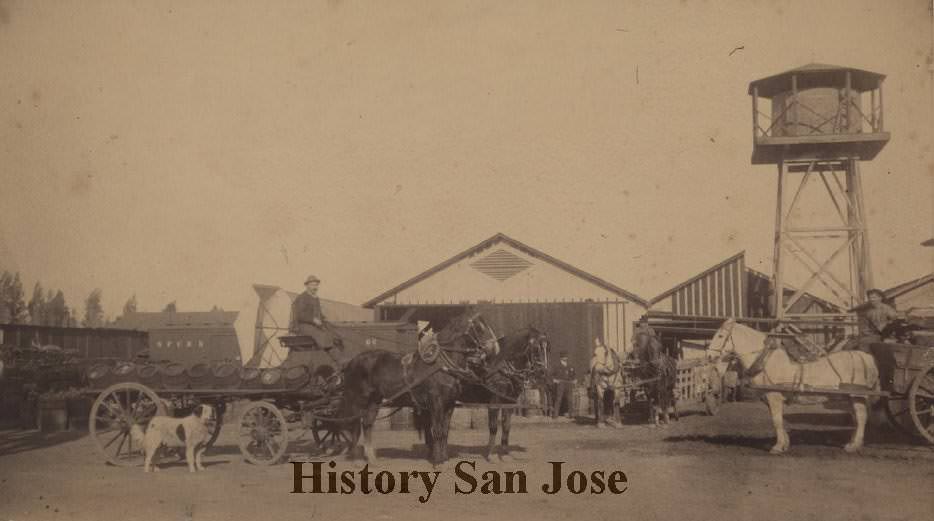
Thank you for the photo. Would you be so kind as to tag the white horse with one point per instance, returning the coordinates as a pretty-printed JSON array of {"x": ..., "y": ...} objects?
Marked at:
[{"x": 766, "y": 363}]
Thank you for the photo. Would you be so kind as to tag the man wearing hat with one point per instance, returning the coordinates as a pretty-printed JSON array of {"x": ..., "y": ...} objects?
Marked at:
[
  {"x": 307, "y": 318},
  {"x": 873, "y": 317},
  {"x": 562, "y": 380},
  {"x": 643, "y": 328}
]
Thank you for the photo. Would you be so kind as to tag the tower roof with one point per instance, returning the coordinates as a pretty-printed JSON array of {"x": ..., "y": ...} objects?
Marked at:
[{"x": 816, "y": 75}]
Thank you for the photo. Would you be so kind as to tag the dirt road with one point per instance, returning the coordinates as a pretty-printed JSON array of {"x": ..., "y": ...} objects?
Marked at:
[{"x": 697, "y": 469}]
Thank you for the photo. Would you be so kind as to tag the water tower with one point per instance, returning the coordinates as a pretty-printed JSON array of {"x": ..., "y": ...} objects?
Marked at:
[{"x": 824, "y": 120}]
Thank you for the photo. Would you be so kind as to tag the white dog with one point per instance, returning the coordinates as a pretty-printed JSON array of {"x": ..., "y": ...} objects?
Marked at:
[{"x": 191, "y": 432}]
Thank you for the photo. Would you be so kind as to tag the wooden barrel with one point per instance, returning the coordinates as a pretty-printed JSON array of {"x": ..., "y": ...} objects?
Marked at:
[
  {"x": 124, "y": 372},
  {"x": 250, "y": 378},
  {"x": 461, "y": 418},
  {"x": 296, "y": 377},
  {"x": 402, "y": 420},
  {"x": 148, "y": 375},
  {"x": 53, "y": 415},
  {"x": 533, "y": 402},
  {"x": 99, "y": 376},
  {"x": 580, "y": 401},
  {"x": 225, "y": 375},
  {"x": 272, "y": 378},
  {"x": 383, "y": 419},
  {"x": 173, "y": 376},
  {"x": 479, "y": 418}
]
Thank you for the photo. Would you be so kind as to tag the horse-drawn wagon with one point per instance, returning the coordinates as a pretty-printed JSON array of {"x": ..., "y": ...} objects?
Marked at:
[
  {"x": 901, "y": 373},
  {"x": 301, "y": 395},
  {"x": 334, "y": 400}
]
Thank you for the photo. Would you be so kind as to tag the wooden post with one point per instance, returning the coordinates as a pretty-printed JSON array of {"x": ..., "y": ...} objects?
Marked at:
[
  {"x": 872, "y": 105},
  {"x": 847, "y": 101},
  {"x": 866, "y": 274},
  {"x": 881, "y": 111},
  {"x": 777, "y": 261},
  {"x": 755, "y": 114},
  {"x": 794, "y": 101}
]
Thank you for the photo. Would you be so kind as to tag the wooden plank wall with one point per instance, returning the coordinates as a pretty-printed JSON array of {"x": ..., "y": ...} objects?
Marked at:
[{"x": 719, "y": 292}]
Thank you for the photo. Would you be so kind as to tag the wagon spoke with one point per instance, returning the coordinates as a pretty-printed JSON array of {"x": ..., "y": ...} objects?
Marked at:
[
  {"x": 928, "y": 395},
  {"x": 109, "y": 443},
  {"x": 120, "y": 447}
]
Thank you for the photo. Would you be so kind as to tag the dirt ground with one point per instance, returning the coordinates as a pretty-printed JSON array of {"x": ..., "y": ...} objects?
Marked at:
[{"x": 697, "y": 469}]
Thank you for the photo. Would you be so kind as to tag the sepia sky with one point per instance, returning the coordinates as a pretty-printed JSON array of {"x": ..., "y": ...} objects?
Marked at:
[{"x": 185, "y": 150}]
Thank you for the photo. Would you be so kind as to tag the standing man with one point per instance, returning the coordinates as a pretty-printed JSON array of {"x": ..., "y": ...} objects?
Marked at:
[
  {"x": 307, "y": 318},
  {"x": 602, "y": 366},
  {"x": 873, "y": 318},
  {"x": 562, "y": 379}
]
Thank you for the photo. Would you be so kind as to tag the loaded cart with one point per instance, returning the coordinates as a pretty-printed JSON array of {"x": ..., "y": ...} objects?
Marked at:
[
  {"x": 906, "y": 373},
  {"x": 283, "y": 403}
]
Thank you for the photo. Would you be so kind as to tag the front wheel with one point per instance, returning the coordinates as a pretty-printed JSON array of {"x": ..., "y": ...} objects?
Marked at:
[{"x": 264, "y": 434}]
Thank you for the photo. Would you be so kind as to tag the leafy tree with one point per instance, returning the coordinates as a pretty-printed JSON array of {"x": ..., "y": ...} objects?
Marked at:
[
  {"x": 130, "y": 306},
  {"x": 37, "y": 306},
  {"x": 93, "y": 310},
  {"x": 11, "y": 298},
  {"x": 169, "y": 308},
  {"x": 58, "y": 313},
  {"x": 6, "y": 281}
]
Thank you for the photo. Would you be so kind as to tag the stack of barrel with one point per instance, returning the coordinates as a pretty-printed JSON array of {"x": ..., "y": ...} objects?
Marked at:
[{"x": 202, "y": 375}]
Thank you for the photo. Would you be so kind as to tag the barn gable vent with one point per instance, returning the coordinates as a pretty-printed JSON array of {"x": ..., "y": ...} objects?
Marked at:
[{"x": 501, "y": 265}]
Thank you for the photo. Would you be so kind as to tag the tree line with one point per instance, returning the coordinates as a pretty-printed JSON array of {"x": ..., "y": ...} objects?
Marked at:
[{"x": 47, "y": 307}]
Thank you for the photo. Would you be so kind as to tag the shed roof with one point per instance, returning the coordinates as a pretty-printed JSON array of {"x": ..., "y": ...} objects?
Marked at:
[
  {"x": 816, "y": 75},
  {"x": 905, "y": 287},
  {"x": 500, "y": 237}
]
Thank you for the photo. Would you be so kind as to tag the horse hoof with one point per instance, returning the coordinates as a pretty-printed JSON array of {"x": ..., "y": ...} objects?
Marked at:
[
  {"x": 506, "y": 458},
  {"x": 777, "y": 450},
  {"x": 850, "y": 448}
]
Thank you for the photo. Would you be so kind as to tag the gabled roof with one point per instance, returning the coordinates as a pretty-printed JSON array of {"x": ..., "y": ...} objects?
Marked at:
[
  {"x": 528, "y": 250},
  {"x": 905, "y": 287},
  {"x": 697, "y": 277}
]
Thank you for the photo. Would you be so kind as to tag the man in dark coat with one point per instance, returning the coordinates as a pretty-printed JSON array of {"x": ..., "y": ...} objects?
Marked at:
[
  {"x": 562, "y": 377},
  {"x": 307, "y": 319}
]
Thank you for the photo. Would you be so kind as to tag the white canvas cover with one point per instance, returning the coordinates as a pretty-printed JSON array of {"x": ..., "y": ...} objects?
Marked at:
[{"x": 263, "y": 318}]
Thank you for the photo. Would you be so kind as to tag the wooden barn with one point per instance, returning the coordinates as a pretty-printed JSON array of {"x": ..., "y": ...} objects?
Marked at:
[
  {"x": 692, "y": 310},
  {"x": 514, "y": 286}
]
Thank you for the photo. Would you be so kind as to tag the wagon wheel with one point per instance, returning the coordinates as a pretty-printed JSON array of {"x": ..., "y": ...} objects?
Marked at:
[
  {"x": 215, "y": 427},
  {"x": 116, "y": 410},
  {"x": 263, "y": 435},
  {"x": 921, "y": 403},
  {"x": 898, "y": 413},
  {"x": 330, "y": 436}
]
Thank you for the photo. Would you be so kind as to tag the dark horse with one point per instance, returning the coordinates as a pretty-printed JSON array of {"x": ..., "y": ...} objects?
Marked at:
[
  {"x": 659, "y": 370},
  {"x": 521, "y": 360},
  {"x": 428, "y": 380}
]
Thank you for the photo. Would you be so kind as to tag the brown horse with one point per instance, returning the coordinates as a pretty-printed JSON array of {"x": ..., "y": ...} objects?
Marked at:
[
  {"x": 660, "y": 372},
  {"x": 521, "y": 360},
  {"x": 428, "y": 380}
]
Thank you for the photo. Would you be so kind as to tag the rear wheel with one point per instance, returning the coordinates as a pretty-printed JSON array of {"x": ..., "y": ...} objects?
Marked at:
[
  {"x": 113, "y": 416},
  {"x": 921, "y": 403}
]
